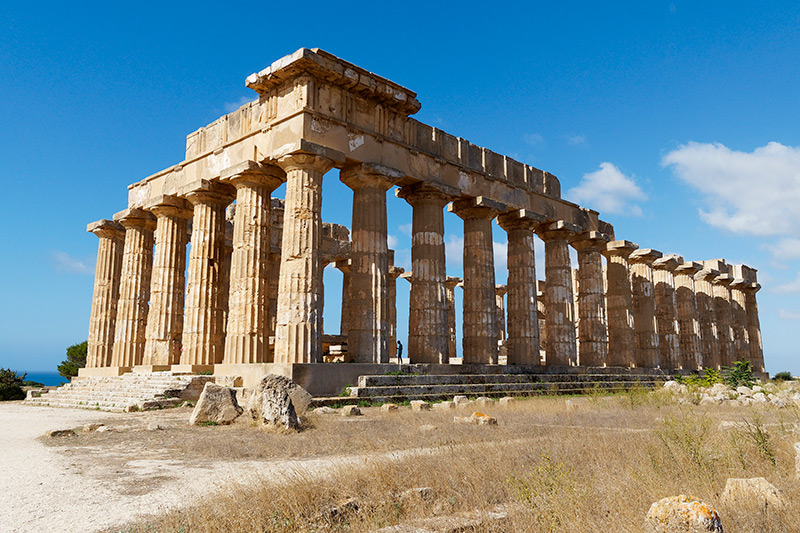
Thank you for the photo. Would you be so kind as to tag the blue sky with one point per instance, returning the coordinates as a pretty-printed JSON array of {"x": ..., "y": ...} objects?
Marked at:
[{"x": 676, "y": 121}]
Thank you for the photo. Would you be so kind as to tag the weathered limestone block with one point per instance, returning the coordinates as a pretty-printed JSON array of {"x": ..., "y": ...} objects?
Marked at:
[
  {"x": 427, "y": 320},
  {"x": 688, "y": 316},
  {"x": 722, "y": 312},
  {"x": 751, "y": 493},
  {"x": 480, "y": 301},
  {"x": 368, "y": 334},
  {"x": 562, "y": 348},
  {"x": 394, "y": 273},
  {"x": 619, "y": 303},
  {"x": 541, "y": 310},
  {"x": 682, "y": 513},
  {"x": 216, "y": 404},
  {"x": 168, "y": 283},
  {"x": 103, "y": 316},
  {"x": 345, "y": 267},
  {"x": 500, "y": 293},
  {"x": 708, "y": 323},
  {"x": 741, "y": 335},
  {"x": 351, "y": 410},
  {"x": 420, "y": 405},
  {"x": 754, "y": 327},
  {"x": 450, "y": 286},
  {"x": 134, "y": 288},
  {"x": 523, "y": 314},
  {"x": 644, "y": 308},
  {"x": 592, "y": 330},
  {"x": 669, "y": 342},
  {"x": 277, "y": 400}
]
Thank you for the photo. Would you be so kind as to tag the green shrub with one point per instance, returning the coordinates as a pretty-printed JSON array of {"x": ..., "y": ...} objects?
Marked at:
[
  {"x": 739, "y": 375},
  {"x": 11, "y": 385},
  {"x": 709, "y": 377},
  {"x": 783, "y": 376},
  {"x": 76, "y": 359}
]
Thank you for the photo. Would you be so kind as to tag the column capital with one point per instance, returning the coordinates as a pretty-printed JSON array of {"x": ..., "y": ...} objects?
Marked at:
[
  {"x": 134, "y": 217},
  {"x": 689, "y": 268},
  {"x": 370, "y": 175},
  {"x": 408, "y": 276},
  {"x": 669, "y": 262},
  {"x": 427, "y": 192},
  {"x": 706, "y": 274},
  {"x": 739, "y": 284},
  {"x": 308, "y": 155},
  {"x": 717, "y": 264},
  {"x": 723, "y": 279},
  {"x": 477, "y": 207},
  {"x": 589, "y": 241},
  {"x": 208, "y": 192},
  {"x": 619, "y": 249},
  {"x": 520, "y": 219},
  {"x": 252, "y": 173},
  {"x": 344, "y": 266},
  {"x": 501, "y": 290},
  {"x": 644, "y": 256},
  {"x": 452, "y": 282},
  {"x": 396, "y": 271},
  {"x": 559, "y": 229},
  {"x": 168, "y": 205},
  {"x": 106, "y": 228},
  {"x": 752, "y": 288}
]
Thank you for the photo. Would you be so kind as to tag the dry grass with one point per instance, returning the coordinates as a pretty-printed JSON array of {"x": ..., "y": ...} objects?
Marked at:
[{"x": 594, "y": 468}]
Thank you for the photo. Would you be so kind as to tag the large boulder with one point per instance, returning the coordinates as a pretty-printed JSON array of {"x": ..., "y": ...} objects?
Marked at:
[
  {"x": 277, "y": 401},
  {"x": 682, "y": 513},
  {"x": 751, "y": 492},
  {"x": 217, "y": 404}
]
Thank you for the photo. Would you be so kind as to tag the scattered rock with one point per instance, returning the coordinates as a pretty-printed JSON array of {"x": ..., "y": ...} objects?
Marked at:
[
  {"x": 325, "y": 410},
  {"x": 427, "y": 428},
  {"x": 744, "y": 391},
  {"x": 760, "y": 397},
  {"x": 476, "y": 418},
  {"x": 417, "y": 493},
  {"x": 62, "y": 433},
  {"x": 338, "y": 513},
  {"x": 88, "y": 428},
  {"x": 718, "y": 388},
  {"x": 505, "y": 401},
  {"x": 770, "y": 387},
  {"x": 387, "y": 407},
  {"x": 103, "y": 429},
  {"x": 483, "y": 401},
  {"x": 757, "y": 388},
  {"x": 216, "y": 404},
  {"x": 460, "y": 400},
  {"x": 779, "y": 402},
  {"x": 756, "y": 491},
  {"x": 682, "y": 513},
  {"x": 351, "y": 410},
  {"x": 444, "y": 406},
  {"x": 420, "y": 405},
  {"x": 272, "y": 402},
  {"x": 229, "y": 381},
  {"x": 155, "y": 427},
  {"x": 34, "y": 393},
  {"x": 675, "y": 387}
]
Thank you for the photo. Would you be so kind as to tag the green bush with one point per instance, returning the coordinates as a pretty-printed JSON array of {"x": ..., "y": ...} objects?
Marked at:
[
  {"x": 739, "y": 375},
  {"x": 709, "y": 377},
  {"x": 76, "y": 359},
  {"x": 11, "y": 385},
  {"x": 783, "y": 376}
]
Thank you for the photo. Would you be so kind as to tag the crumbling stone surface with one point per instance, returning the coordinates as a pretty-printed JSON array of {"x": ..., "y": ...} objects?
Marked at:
[
  {"x": 272, "y": 402},
  {"x": 351, "y": 410},
  {"x": 216, "y": 404},
  {"x": 752, "y": 492},
  {"x": 420, "y": 405},
  {"x": 682, "y": 513}
]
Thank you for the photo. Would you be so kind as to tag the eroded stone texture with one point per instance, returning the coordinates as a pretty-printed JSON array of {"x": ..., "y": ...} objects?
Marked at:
[
  {"x": 500, "y": 293},
  {"x": 345, "y": 267},
  {"x": 272, "y": 402},
  {"x": 427, "y": 320},
  {"x": 203, "y": 340},
  {"x": 688, "y": 316},
  {"x": 754, "y": 327},
  {"x": 298, "y": 331},
  {"x": 541, "y": 310},
  {"x": 722, "y": 313},
  {"x": 168, "y": 283},
  {"x": 741, "y": 335},
  {"x": 523, "y": 318},
  {"x": 591, "y": 301},
  {"x": 669, "y": 341},
  {"x": 368, "y": 333},
  {"x": 705, "y": 310},
  {"x": 394, "y": 273},
  {"x": 134, "y": 288},
  {"x": 111, "y": 242},
  {"x": 216, "y": 404},
  {"x": 619, "y": 304},
  {"x": 562, "y": 348},
  {"x": 480, "y": 300},
  {"x": 247, "y": 331},
  {"x": 450, "y": 286},
  {"x": 644, "y": 307}
]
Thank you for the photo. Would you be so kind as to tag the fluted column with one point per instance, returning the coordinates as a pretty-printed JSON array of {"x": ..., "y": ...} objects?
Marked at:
[
  {"x": 754, "y": 327},
  {"x": 394, "y": 273},
  {"x": 592, "y": 333},
  {"x": 111, "y": 240},
  {"x": 541, "y": 318},
  {"x": 450, "y": 286},
  {"x": 722, "y": 312},
  {"x": 298, "y": 332},
  {"x": 741, "y": 335},
  {"x": 368, "y": 336},
  {"x": 427, "y": 319},
  {"x": 644, "y": 308},
  {"x": 165, "y": 318},
  {"x": 688, "y": 316},
  {"x": 669, "y": 341},
  {"x": 203, "y": 339},
  {"x": 562, "y": 348},
  {"x": 619, "y": 304},
  {"x": 500, "y": 293},
  {"x": 523, "y": 315},
  {"x": 134, "y": 288},
  {"x": 247, "y": 331},
  {"x": 480, "y": 305},
  {"x": 708, "y": 323},
  {"x": 345, "y": 267}
]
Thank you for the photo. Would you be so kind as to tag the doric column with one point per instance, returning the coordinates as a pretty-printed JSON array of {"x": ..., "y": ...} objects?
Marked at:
[
  {"x": 754, "y": 327},
  {"x": 500, "y": 293},
  {"x": 111, "y": 241},
  {"x": 722, "y": 312},
  {"x": 523, "y": 315},
  {"x": 165, "y": 319},
  {"x": 562, "y": 348},
  {"x": 345, "y": 267},
  {"x": 741, "y": 336},
  {"x": 298, "y": 332},
  {"x": 619, "y": 304},
  {"x": 247, "y": 332},
  {"x": 276, "y": 236},
  {"x": 688, "y": 316},
  {"x": 427, "y": 319},
  {"x": 708, "y": 322},
  {"x": 134, "y": 287},
  {"x": 480, "y": 306},
  {"x": 394, "y": 273},
  {"x": 669, "y": 341},
  {"x": 450, "y": 286},
  {"x": 203, "y": 339},
  {"x": 592, "y": 334},
  {"x": 644, "y": 307},
  {"x": 368, "y": 336},
  {"x": 541, "y": 318}
]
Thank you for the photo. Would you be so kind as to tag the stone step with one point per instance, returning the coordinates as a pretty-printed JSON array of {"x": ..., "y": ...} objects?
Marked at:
[{"x": 442, "y": 379}]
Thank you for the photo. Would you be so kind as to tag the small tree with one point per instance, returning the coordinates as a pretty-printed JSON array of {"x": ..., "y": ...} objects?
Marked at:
[
  {"x": 76, "y": 359},
  {"x": 783, "y": 376},
  {"x": 11, "y": 385}
]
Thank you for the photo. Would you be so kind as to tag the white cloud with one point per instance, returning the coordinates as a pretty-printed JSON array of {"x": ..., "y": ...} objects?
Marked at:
[
  {"x": 747, "y": 192},
  {"x": 787, "y": 248},
  {"x": 576, "y": 140},
  {"x": 500, "y": 260},
  {"x": 405, "y": 229},
  {"x": 788, "y": 288},
  {"x": 788, "y": 315},
  {"x": 230, "y": 107},
  {"x": 391, "y": 241},
  {"x": 454, "y": 250},
  {"x": 533, "y": 139},
  {"x": 609, "y": 191},
  {"x": 65, "y": 263}
]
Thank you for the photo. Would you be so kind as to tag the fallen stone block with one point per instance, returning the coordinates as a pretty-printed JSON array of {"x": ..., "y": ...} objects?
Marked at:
[
  {"x": 88, "y": 428},
  {"x": 505, "y": 401},
  {"x": 229, "y": 381},
  {"x": 61, "y": 433},
  {"x": 389, "y": 407},
  {"x": 749, "y": 492},
  {"x": 443, "y": 406},
  {"x": 216, "y": 404},
  {"x": 682, "y": 513},
  {"x": 460, "y": 401},
  {"x": 325, "y": 410},
  {"x": 351, "y": 410},
  {"x": 272, "y": 402},
  {"x": 483, "y": 401},
  {"x": 484, "y": 419},
  {"x": 420, "y": 405}
]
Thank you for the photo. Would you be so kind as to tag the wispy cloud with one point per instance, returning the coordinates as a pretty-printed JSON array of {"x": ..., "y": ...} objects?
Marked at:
[
  {"x": 392, "y": 241},
  {"x": 576, "y": 140},
  {"x": 609, "y": 191},
  {"x": 533, "y": 139},
  {"x": 745, "y": 192},
  {"x": 230, "y": 107},
  {"x": 788, "y": 315},
  {"x": 63, "y": 262},
  {"x": 784, "y": 249},
  {"x": 405, "y": 229},
  {"x": 788, "y": 288}
]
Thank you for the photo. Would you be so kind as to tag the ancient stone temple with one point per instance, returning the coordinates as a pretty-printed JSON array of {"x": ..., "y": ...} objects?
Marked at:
[{"x": 249, "y": 299}]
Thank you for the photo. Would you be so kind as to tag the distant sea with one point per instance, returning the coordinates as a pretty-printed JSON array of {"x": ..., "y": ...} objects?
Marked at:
[{"x": 46, "y": 378}]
